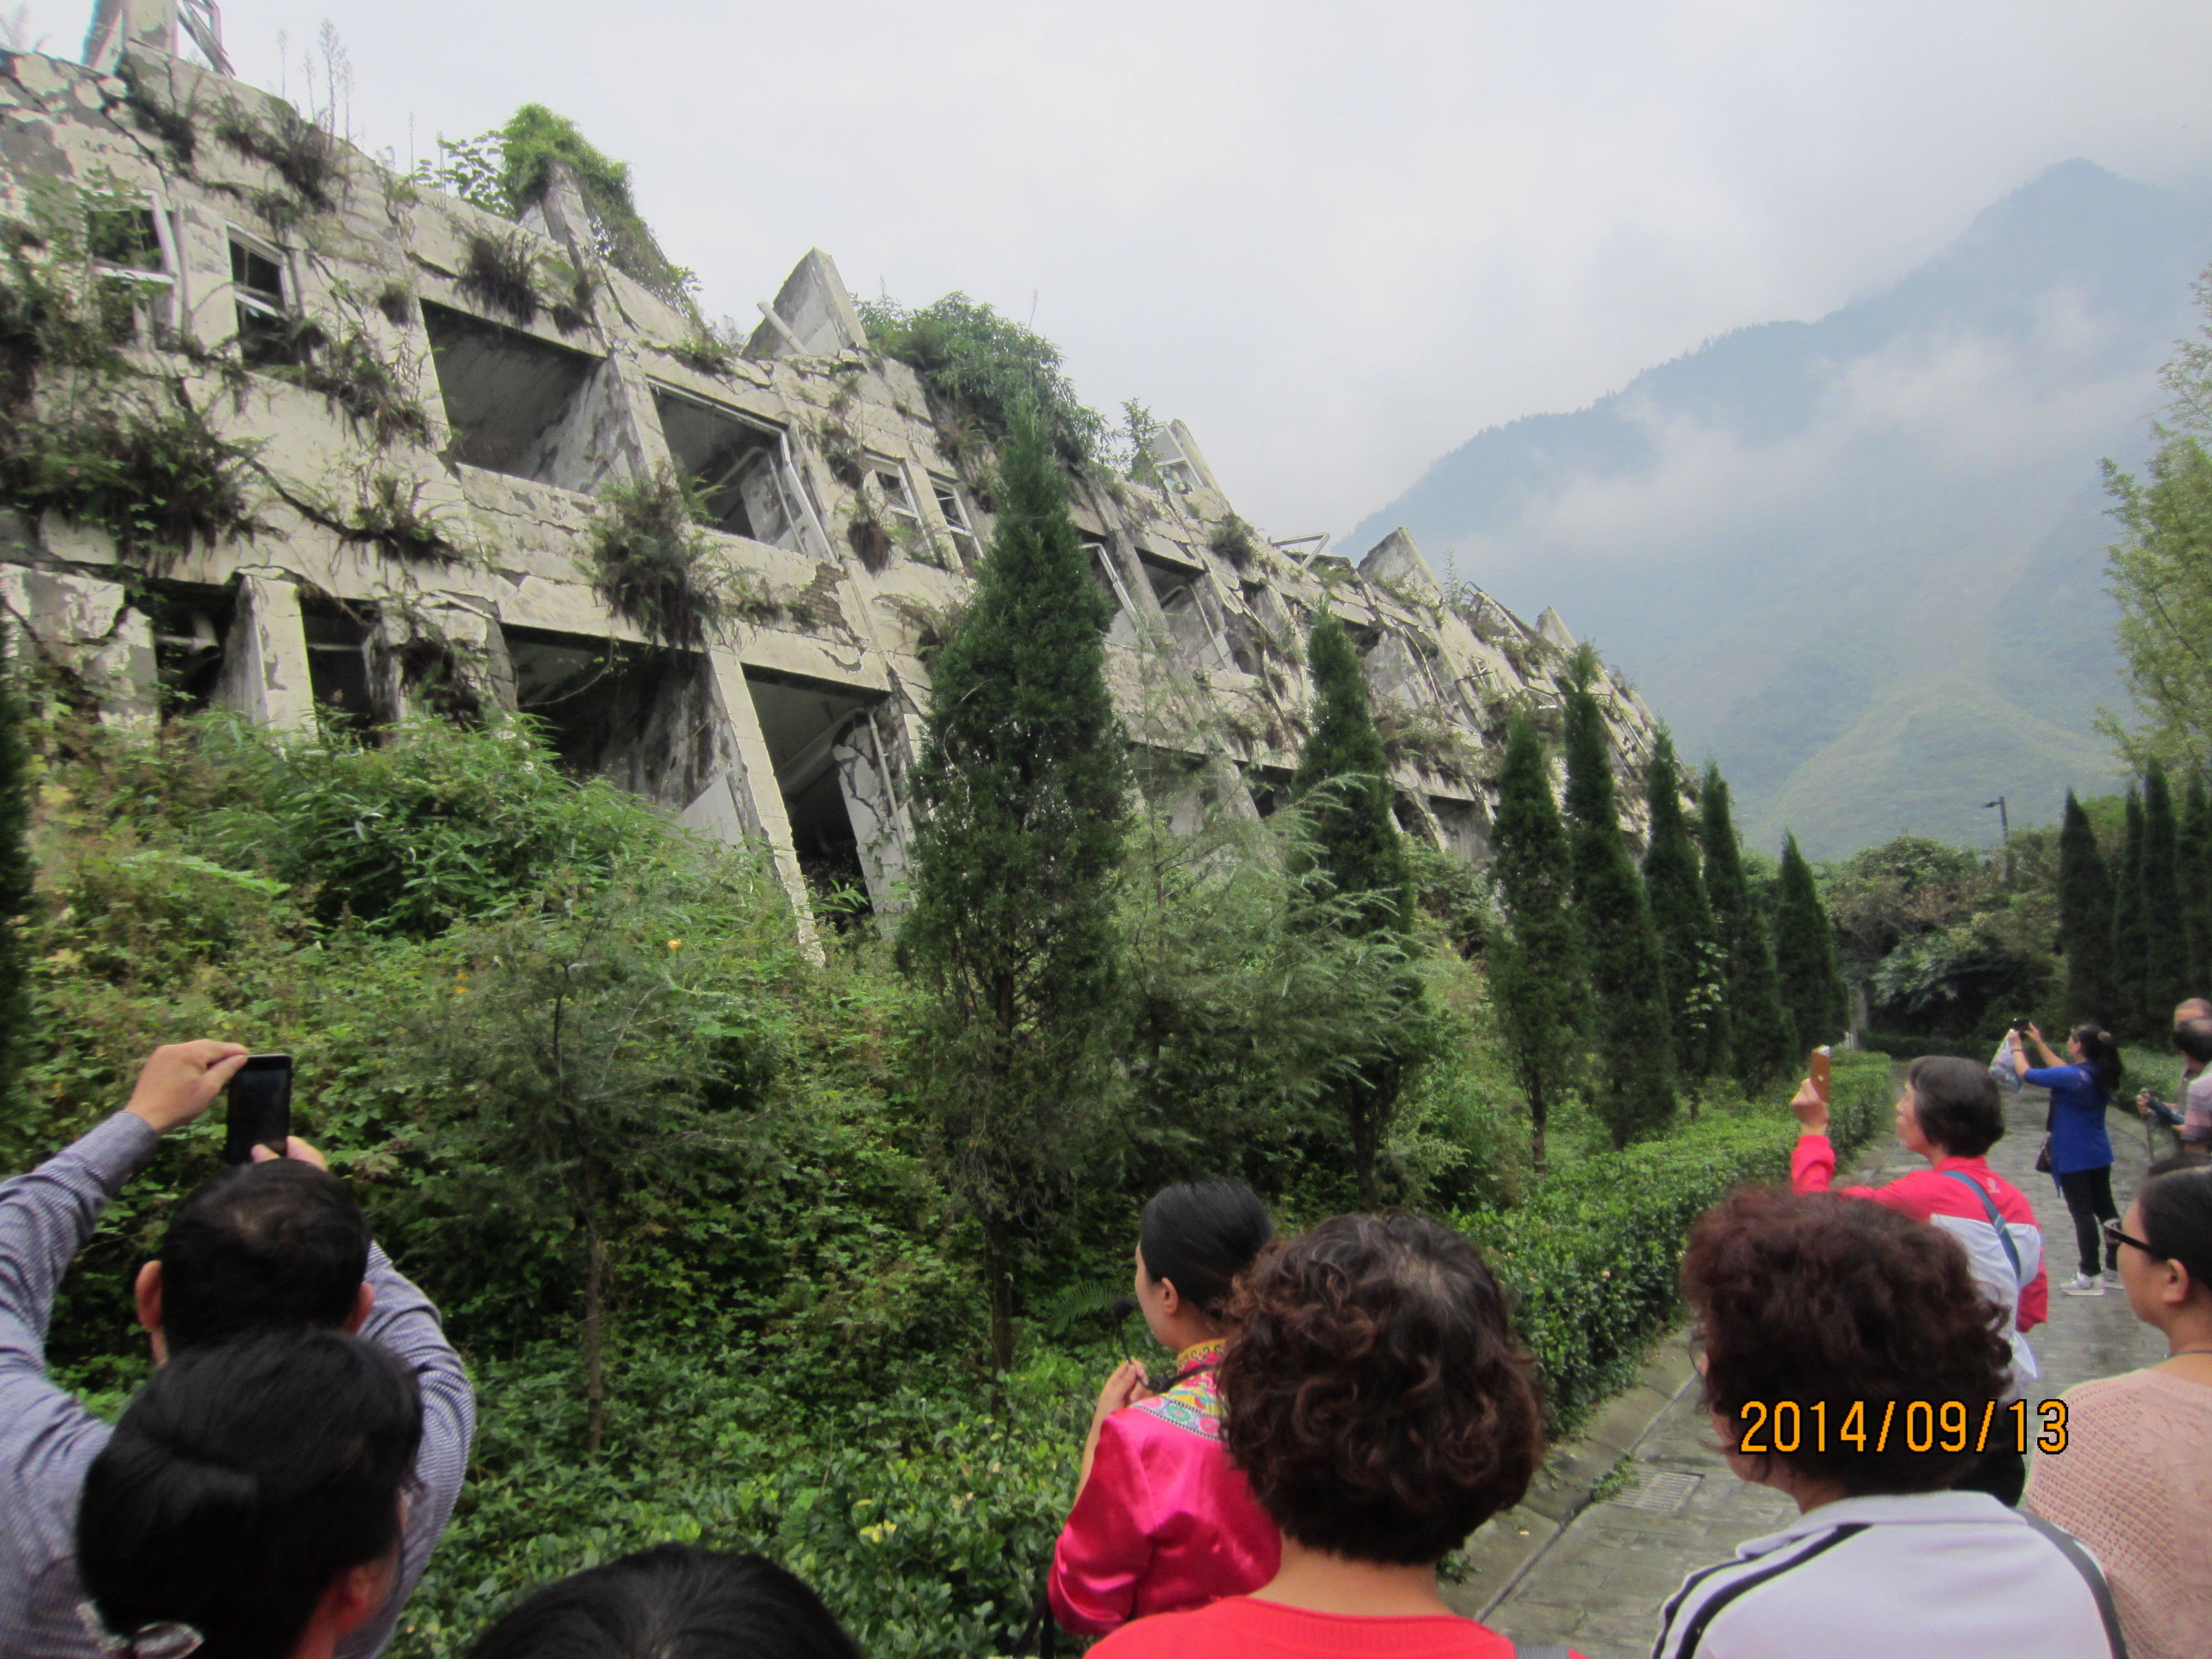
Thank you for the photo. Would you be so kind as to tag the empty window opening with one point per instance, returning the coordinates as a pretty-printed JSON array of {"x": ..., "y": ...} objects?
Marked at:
[
  {"x": 1187, "y": 609},
  {"x": 957, "y": 525},
  {"x": 1271, "y": 789},
  {"x": 642, "y": 717},
  {"x": 736, "y": 466},
  {"x": 807, "y": 724},
  {"x": 346, "y": 669},
  {"x": 261, "y": 292},
  {"x": 510, "y": 397},
  {"x": 191, "y": 626},
  {"x": 1106, "y": 570}
]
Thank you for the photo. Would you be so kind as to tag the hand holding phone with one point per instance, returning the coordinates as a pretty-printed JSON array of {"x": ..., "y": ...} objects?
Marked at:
[
  {"x": 1818, "y": 1071},
  {"x": 260, "y": 1109}
]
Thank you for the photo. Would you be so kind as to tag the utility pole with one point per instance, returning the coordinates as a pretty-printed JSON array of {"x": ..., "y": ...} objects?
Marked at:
[{"x": 2004, "y": 835}]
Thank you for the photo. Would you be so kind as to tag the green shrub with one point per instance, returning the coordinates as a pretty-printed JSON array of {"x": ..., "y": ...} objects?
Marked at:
[
  {"x": 986, "y": 367},
  {"x": 1592, "y": 1255},
  {"x": 437, "y": 825}
]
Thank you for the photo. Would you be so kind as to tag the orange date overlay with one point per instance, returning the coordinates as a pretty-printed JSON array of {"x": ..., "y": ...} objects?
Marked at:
[{"x": 1950, "y": 1425}]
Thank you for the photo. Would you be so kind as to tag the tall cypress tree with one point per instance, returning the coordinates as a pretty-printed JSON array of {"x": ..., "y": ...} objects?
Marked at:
[
  {"x": 1697, "y": 971},
  {"x": 1763, "y": 1037},
  {"x": 1805, "y": 953},
  {"x": 1536, "y": 974},
  {"x": 1022, "y": 783},
  {"x": 2084, "y": 921},
  {"x": 2131, "y": 941},
  {"x": 2166, "y": 950},
  {"x": 1627, "y": 969},
  {"x": 2194, "y": 867},
  {"x": 1343, "y": 784},
  {"x": 16, "y": 873}
]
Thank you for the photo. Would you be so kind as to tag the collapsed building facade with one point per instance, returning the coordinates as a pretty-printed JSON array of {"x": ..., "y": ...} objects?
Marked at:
[{"x": 435, "y": 402}]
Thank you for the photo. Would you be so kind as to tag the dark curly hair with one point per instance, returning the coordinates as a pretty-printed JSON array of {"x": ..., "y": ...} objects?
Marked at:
[
  {"x": 1376, "y": 1397},
  {"x": 1830, "y": 1301}
]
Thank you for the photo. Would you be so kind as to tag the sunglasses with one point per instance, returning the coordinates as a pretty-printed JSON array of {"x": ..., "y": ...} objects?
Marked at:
[{"x": 2115, "y": 1237}]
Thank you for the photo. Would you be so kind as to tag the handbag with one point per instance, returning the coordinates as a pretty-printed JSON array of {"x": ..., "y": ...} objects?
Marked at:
[{"x": 2043, "y": 1156}]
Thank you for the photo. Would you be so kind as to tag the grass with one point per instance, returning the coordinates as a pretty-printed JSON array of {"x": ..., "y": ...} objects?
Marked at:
[
  {"x": 652, "y": 564},
  {"x": 499, "y": 275}
]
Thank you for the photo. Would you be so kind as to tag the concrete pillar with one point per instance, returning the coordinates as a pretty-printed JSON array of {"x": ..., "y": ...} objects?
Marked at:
[
  {"x": 742, "y": 802},
  {"x": 119, "y": 23},
  {"x": 265, "y": 660}
]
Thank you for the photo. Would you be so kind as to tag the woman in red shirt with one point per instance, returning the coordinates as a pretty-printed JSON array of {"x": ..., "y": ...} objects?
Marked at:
[
  {"x": 1162, "y": 1520},
  {"x": 1381, "y": 1407}
]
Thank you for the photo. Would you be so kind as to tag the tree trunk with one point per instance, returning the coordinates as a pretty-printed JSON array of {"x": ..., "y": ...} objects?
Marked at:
[
  {"x": 1363, "y": 1118},
  {"x": 998, "y": 1285},
  {"x": 1539, "y": 1110},
  {"x": 595, "y": 1381}
]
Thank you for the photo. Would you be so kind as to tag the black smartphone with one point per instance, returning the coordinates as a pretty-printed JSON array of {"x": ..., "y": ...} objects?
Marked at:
[
  {"x": 260, "y": 1109},
  {"x": 2020, "y": 1027}
]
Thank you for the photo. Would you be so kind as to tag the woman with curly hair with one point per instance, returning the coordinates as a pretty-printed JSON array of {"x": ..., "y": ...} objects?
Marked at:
[
  {"x": 1162, "y": 1522},
  {"x": 1850, "y": 1363},
  {"x": 1382, "y": 1409},
  {"x": 1950, "y": 1113}
]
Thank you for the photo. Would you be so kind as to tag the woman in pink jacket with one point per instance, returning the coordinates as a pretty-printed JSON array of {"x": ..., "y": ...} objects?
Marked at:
[{"x": 1951, "y": 1114}]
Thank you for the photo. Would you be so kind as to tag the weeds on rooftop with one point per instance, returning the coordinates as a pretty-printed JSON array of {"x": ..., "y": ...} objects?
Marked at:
[
  {"x": 1232, "y": 538},
  {"x": 172, "y": 127}
]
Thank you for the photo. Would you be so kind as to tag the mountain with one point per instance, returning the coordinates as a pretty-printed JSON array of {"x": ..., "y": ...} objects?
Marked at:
[{"x": 1859, "y": 561}]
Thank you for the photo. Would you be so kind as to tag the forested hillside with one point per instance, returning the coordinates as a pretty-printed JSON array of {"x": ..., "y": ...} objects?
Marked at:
[{"x": 1858, "y": 559}]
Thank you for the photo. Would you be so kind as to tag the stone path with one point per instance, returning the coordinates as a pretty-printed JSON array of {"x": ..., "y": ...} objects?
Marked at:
[{"x": 1599, "y": 1585}]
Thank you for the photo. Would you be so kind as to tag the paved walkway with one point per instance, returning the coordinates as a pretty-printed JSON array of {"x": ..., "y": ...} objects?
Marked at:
[{"x": 1599, "y": 1584}]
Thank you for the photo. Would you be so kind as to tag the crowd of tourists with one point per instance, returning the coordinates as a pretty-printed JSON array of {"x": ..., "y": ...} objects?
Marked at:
[{"x": 1347, "y": 1406}]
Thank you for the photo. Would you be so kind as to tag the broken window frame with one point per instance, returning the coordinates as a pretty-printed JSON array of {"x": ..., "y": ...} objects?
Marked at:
[
  {"x": 957, "y": 525},
  {"x": 796, "y": 510},
  {"x": 155, "y": 299},
  {"x": 257, "y": 317},
  {"x": 887, "y": 473}
]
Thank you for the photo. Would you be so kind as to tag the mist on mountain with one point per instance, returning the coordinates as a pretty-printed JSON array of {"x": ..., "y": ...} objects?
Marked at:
[{"x": 1858, "y": 561}]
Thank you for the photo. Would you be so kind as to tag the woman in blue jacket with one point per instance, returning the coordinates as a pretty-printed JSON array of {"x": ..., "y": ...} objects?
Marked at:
[{"x": 2081, "y": 1151}]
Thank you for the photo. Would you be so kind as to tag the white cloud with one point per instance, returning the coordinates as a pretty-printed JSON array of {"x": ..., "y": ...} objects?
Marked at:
[{"x": 1339, "y": 240}]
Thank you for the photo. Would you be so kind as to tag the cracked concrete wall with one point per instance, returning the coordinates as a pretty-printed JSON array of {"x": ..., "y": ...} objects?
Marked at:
[{"x": 1216, "y": 677}]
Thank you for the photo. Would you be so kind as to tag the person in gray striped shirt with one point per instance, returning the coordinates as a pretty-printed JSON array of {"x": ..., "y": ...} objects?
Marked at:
[{"x": 272, "y": 1245}]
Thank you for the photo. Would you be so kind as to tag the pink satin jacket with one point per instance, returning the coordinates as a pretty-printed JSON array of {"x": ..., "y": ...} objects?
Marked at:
[{"x": 1165, "y": 1523}]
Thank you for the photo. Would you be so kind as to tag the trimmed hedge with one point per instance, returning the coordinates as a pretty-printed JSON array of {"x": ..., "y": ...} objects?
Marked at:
[{"x": 1592, "y": 1256}]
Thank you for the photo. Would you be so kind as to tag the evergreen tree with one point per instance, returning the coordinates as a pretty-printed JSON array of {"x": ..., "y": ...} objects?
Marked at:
[
  {"x": 1343, "y": 782},
  {"x": 1536, "y": 974},
  {"x": 1696, "y": 972},
  {"x": 2131, "y": 941},
  {"x": 1627, "y": 971},
  {"x": 1343, "y": 785},
  {"x": 1805, "y": 953},
  {"x": 15, "y": 873},
  {"x": 2166, "y": 950},
  {"x": 1763, "y": 1038},
  {"x": 2084, "y": 921},
  {"x": 2194, "y": 867},
  {"x": 1022, "y": 786}
]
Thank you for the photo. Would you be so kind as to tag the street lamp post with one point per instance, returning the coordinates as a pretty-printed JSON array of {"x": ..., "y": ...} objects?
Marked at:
[{"x": 2004, "y": 835}]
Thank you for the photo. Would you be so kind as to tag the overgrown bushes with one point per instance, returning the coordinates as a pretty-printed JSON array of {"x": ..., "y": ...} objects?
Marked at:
[
  {"x": 1592, "y": 1254},
  {"x": 652, "y": 564}
]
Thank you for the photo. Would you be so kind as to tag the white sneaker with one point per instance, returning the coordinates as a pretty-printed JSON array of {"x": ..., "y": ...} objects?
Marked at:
[
  {"x": 2112, "y": 1279},
  {"x": 2083, "y": 1284}
]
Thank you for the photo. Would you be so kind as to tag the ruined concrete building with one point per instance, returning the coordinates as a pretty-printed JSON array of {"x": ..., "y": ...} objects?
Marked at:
[{"x": 417, "y": 408}]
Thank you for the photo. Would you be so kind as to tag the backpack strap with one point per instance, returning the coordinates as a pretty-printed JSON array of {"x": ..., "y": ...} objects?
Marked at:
[
  {"x": 1997, "y": 1221},
  {"x": 2085, "y": 1564}
]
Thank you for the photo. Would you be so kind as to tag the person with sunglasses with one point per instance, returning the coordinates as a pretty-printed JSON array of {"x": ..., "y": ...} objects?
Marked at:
[{"x": 2135, "y": 1480}]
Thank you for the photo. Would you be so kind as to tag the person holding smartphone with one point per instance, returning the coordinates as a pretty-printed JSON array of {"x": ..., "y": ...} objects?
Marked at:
[
  {"x": 2080, "y": 1088},
  {"x": 274, "y": 1244}
]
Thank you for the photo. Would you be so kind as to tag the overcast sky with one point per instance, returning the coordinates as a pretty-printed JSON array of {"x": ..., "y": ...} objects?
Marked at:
[{"x": 1337, "y": 240}]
